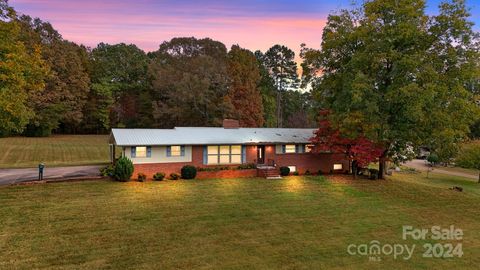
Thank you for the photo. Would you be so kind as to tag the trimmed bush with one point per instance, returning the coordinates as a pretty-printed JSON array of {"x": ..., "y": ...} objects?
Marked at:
[
  {"x": 307, "y": 172},
  {"x": 319, "y": 172},
  {"x": 123, "y": 169},
  {"x": 246, "y": 166},
  {"x": 159, "y": 176},
  {"x": 214, "y": 169},
  {"x": 188, "y": 172},
  {"x": 296, "y": 173},
  {"x": 174, "y": 176},
  {"x": 284, "y": 171},
  {"x": 141, "y": 177}
]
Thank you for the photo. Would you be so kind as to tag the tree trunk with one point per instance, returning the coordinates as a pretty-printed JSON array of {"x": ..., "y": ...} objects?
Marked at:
[
  {"x": 354, "y": 169},
  {"x": 382, "y": 166}
]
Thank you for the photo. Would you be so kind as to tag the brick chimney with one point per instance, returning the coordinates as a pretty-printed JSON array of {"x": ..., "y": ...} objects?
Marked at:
[{"x": 231, "y": 123}]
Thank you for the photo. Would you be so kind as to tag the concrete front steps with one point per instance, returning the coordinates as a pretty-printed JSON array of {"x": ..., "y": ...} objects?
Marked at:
[{"x": 268, "y": 172}]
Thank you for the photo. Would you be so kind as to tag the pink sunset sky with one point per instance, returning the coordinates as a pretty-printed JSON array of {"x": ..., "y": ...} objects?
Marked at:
[{"x": 253, "y": 24}]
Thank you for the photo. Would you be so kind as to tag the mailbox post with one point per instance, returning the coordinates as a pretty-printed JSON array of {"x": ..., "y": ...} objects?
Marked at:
[{"x": 41, "y": 166}]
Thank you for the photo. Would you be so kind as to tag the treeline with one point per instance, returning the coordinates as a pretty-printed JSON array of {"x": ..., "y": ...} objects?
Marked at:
[{"x": 49, "y": 84}]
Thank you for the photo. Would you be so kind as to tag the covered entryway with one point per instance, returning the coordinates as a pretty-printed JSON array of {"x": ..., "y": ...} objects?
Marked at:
[{"x": 260, "y": 154}]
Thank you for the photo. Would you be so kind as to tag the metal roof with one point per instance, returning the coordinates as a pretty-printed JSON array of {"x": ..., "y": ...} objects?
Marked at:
[{"x": 209, "y": 135}]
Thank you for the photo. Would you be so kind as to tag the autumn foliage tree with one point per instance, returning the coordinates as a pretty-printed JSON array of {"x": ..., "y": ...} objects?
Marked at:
[
  {"x": 190, "y": 83},
  {"x": 244, "y": 93},
  {"x": 22, "y": 73},
  {"x": 399, "y": 76},
  {"x": 359, "y": 151}
]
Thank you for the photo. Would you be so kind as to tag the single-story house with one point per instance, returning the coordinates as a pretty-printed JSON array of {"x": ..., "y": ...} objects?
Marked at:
[{"x": 168, "y": 150}]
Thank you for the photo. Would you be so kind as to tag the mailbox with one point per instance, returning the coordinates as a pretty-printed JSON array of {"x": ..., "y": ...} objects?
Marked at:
[{"x": 41, "y": 166}]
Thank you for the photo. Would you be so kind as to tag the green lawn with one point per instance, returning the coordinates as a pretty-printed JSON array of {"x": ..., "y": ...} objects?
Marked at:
[
  {"x": 458, "y": 169},
  {"x": 17, "y": 152},
  {"x": 294, "y": 223},
  {"x": 440, "y": 181}
]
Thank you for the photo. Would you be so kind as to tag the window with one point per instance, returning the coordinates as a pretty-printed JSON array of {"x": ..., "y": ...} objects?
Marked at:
[
  {"x": 224, "y": 154},
  {"x": 292, "y": 168},
  {"x": 290, "y": 148},
  {"x": 140, "y": 151},
  {"x": 175, "y": 150},
  {"x": 337, "y": 166}
]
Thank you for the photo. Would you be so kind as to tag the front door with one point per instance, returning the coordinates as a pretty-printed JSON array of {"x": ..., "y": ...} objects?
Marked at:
[{"x": 260, "y": 154}]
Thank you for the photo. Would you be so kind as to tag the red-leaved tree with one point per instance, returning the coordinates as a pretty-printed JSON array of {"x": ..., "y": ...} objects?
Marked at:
[{"x": 359, "y": 151}]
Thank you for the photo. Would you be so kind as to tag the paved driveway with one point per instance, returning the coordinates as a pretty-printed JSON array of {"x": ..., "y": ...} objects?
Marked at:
[
  {"x": 12, "y": 176},
  {"x": 421, "y": 165}
]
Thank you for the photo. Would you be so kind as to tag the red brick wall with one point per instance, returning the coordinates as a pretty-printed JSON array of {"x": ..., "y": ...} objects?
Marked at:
[
  {"x": 303, "y": 162},
  {"x": 227, "y": 174},
  {"x": 311, "y": 162}
]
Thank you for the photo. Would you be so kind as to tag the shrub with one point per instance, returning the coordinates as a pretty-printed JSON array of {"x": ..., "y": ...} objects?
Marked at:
[
  {"x": 213, "y": 169},
  {"x": 246, "y": 166},
  {"x": 296, "y": 173},
  {"x": 319, "y": 172},
  {"x": 307, "y": 172},
  {"x": 469, "y": 157},
  {"x": 373, "y": 174},
  {"x": 433, "y": 159},
  {"x": 107, "y": 171},
  {"x": 123, "y": 169},
  {"x": 174, "y": 176},
  {"x": 188, "y": 172},
  {"x": 159, "y": 176},
  {"x": 141, "y": 177},
  {"x": 284, "y": 171}
]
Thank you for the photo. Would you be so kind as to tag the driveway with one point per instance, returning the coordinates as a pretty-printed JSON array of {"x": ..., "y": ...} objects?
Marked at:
[
  {"x": 13, "y": 176},
  {"x": 421, "y": 165}
]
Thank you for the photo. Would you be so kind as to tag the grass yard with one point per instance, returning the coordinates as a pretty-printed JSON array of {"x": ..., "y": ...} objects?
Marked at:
[
  {"x": 457, "y": 169},
  {"x": 294, "y": 223},
  {"x": 440, "y": 181},
  {"x": 57, "y": 150}
]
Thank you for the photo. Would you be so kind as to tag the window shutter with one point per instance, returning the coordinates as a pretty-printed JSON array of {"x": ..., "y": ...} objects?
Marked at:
[
  {"x": 205, "y": 155},
  {"x": 244, "y": 154},
  {"x": 149, "y": 151},
  {"x": 169, "y": 151},
  {"x": 133, "y": 151},
  {"x": 182, "y": 150},
  {"x": 303, "y": 148},
  {"x": 283, "y": 149}
]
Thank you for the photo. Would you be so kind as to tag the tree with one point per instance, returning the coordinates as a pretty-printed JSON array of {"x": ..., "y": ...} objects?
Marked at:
[
  {"x": 22, "y": 73},
  {"x": 469, "y": 157},
  {"x": 393, "y": 74},
  {"x": 97, "y": 109},
  {"x": 475, "y": 130},
  {"x": 190, "y": 83},
  {"x": 280, "y": 63},
  {"x": 120, "y": 94},
  {"x": 67, "y": 83},
  {"x": 359, "y": 151},
  {"x": 268, "y": 92},
  {"x": 244, "y": 94},
  {"x": 298, "y": 109}
]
